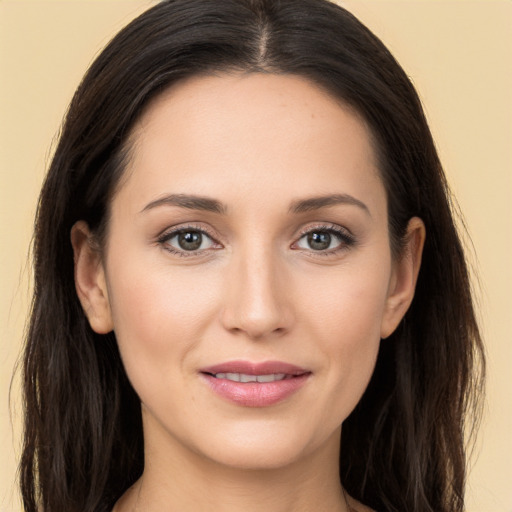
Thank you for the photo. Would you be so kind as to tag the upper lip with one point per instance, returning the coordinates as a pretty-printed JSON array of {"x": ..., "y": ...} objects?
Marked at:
[{"x": 252, "y": 368}]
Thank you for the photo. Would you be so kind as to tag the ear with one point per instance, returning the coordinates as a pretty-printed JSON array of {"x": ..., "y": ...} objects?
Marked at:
[
  {"x": 403, "y": 277},
  {"x": 90, "y": 282}
]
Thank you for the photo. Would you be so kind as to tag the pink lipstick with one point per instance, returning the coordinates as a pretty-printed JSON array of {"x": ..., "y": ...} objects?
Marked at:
[{"x": 255, "y": 384}]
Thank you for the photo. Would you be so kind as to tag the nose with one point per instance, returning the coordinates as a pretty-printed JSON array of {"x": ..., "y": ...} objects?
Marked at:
[{"x": 257, "y": 299}]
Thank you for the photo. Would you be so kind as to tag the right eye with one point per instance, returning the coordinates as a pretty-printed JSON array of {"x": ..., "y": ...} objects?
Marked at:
[{"x": 187, "y": 241}]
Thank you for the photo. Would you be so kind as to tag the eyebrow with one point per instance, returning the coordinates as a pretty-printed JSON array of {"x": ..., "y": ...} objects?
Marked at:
[
  {"x": 193, "y": 202},
  {"x": 190, "y": 202},
  {"x": 316, "y": 203}
]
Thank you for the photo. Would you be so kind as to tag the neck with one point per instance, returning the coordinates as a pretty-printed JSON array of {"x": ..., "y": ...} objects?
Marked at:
[{"x": 176, "y": 479}]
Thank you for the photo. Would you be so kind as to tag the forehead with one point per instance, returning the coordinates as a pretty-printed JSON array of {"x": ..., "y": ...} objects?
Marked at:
[{"x": 266, "y": 133}]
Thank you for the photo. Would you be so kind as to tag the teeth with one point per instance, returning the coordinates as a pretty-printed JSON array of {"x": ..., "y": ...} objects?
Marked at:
[
  {"x": 271, "y": 377},
  {"x": 243, "y": 377}
]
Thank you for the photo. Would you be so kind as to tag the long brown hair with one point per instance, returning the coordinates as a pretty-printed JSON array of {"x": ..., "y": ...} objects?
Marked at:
[{"x": 403, "y": 445}]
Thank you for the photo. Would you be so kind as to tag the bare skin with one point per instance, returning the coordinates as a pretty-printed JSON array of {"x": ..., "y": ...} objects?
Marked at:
[{"x": 276, "y": 184}]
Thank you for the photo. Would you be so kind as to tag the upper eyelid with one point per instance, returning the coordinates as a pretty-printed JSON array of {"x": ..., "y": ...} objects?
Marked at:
[
  {"x": 169, "y": 232},
  {"x": 195, "y": 227},
  {"x": 336, "y": 228}
]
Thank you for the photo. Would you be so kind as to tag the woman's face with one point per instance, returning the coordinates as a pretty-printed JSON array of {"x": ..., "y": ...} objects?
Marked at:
[{"x": 248, "y": 241}]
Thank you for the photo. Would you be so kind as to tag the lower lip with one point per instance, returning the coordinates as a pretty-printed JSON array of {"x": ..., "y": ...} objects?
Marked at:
[{"x": 256, "y": 394}]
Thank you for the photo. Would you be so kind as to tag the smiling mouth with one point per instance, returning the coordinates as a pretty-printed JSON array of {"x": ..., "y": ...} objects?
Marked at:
[{"x": 255, "y": 384}]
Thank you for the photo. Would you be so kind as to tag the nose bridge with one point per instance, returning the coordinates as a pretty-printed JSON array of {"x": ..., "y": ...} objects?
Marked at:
[{"x": 256, "y": 300}]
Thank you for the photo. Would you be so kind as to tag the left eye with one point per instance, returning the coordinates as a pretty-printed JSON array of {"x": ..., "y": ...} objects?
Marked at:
[
  {"x": 190, "y": 240},
  {"x": 320, "y": 240}
]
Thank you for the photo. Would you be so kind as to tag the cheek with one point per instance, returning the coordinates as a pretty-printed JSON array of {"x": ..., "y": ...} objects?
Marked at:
[
  {"x": 346, "y": 319},
  {"x": 348, "y": 306},
  {"x": 159, "y": 315}
]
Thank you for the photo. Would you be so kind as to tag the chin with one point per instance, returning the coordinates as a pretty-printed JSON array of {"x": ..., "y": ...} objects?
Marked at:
[
  {"x": 261, "y": 448},
  {"x": 256, "y": 458}
]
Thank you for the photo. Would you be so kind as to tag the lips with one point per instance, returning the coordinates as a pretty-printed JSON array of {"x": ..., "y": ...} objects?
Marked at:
[{"x": 255, "y": 384}]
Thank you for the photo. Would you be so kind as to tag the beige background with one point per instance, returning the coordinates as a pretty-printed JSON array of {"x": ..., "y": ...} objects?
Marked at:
[{"x": 459, "y": 55}]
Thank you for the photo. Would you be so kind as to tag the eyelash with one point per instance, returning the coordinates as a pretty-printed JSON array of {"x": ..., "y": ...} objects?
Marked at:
[{"x": 346, "y": 239}]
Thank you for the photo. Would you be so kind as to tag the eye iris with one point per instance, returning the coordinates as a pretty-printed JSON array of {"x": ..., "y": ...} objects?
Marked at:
[
  {"x": 319, "y": 240},
  {"x": 190, "y": 240}
]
